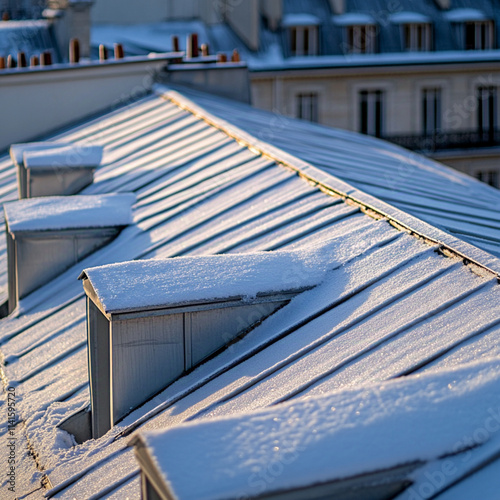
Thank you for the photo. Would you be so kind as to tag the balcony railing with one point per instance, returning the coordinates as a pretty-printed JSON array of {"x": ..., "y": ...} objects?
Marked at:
[{"x": 469, "y": 139}]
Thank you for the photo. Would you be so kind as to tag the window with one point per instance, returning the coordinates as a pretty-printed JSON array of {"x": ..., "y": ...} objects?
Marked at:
[
  {"x": 487, "y": 111},
  {"x": 307, "y": 107},
  {"x": 479, "y": 35},
  {"x": 361, "y": 39},
  {"x": 303, "y": 40},
  {"x": 417, "y": 37},
  {"x": 371, "y": 112},
  {"x": 489, "y": 176},
  {"x": 431, "y": 110}
]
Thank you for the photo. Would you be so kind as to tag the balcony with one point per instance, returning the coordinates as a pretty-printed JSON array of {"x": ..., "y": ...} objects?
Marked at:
[{"x": 468, "y": 139}]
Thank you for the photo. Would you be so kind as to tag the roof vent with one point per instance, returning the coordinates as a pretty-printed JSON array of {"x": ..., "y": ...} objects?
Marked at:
[
  {"x": 443, "y": 4},
  {"x": 151, "y": 321},
  {"x": 49, "y": 169},
  {"x": 46, "y": 236},
  {"x": 338, "y": 6}
]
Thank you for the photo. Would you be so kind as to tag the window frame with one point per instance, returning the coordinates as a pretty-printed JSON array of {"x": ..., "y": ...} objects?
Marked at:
[
  {"x": 373, "y": 100},
  {"x": 483, "y": 39},
  {"x": 313, "y": 115},
  {"x": 303, "y": 40},
  {"x": 361, "y": 39},
  {"x": 417, "y": 37}
]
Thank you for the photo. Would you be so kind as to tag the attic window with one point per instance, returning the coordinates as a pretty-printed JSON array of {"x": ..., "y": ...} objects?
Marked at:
[
  {"x": 361, "y": 39},
  {"x": 479, "y": 35},
  {"x": 474, "y": 30},
  {"x": 417, "y": 37},
  {"x": 302, "y": 34},
  {"x": 151, "y": 321},
  {"x": 48, "y": 168}
]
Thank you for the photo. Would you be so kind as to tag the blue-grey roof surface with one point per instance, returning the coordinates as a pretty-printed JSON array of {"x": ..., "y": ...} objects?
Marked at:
[{"x": 401, "y": 295}]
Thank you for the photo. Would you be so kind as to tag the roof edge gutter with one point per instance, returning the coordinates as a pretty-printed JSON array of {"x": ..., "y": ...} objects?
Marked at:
[{"x": 334, "y": 186}]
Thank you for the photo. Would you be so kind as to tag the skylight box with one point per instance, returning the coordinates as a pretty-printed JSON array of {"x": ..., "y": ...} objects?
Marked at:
[
  {"x": 46, "y": 236},
  {"x": 151, "y": 321},
  {"x": 47, "y": 169}
]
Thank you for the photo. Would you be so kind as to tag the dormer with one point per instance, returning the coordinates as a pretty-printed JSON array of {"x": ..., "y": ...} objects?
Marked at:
[
  {"x": 48, "y": 168},
  {"x": 46, "y": 236},
  {"x": 416, "y": 31},
  {"x": 302, "y": 34},
  {"x": 474, "y": 30},
  {"x": 360, "y": 33},
  {"x": 149, "y": 322}
]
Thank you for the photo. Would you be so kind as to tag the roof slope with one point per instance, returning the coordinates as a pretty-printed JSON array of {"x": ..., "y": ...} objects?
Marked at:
[
  {"x": 396, "y": 298},
  {"x": 445, "y": 198}
]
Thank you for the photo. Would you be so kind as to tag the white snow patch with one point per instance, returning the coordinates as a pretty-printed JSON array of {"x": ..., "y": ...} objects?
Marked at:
[
  {"x": 76, "y": 155},
  {"x": 153, "y": 283},
  {"x": 300, "y": 20},
  {"x": 321, "y": 439},
  {"x": 69, "y": 212},
  {"x": 463, "y": 15},
  {"x": 352, "y": 19},
  {"x": 408, "y": 18}
]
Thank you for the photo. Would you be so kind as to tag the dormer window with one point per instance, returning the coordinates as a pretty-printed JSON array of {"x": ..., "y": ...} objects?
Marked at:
[
  {"x": 474, "y": 30},
  {"x": 361, "y": 39},
  {"x": 360, "y": 33},
  {"x": 479, "y": 35},
  {"x": 417, "y": 37},
  {"x": 302, "y": 34}
]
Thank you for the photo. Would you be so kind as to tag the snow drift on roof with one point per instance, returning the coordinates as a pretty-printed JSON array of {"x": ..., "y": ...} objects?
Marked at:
[
  {"x": 69, "y": 212},
  {"x": 409, "y": 18},
  {"x": 464, "y": 15},
  {"x": 300, "y": 20},
  {"x": 155, "y": 283},
  {"x": 76, "y": 155},
  {"x": 353, "y": 18},
  {"x": 321, "y": 439}
]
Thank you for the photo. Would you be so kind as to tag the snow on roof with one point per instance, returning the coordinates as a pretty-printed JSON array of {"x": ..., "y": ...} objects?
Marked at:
[
  {"x": 162, "y": 283},
  {"x": 69, "y": 212},
  {"x": 396, "y": 423},
  {"x": 300, "y": 20},
  {"x": 406, "y": 17},
  {"x": 17, "y": 150},
  {"x": 79, "y": 156},
  {"x": 444, "y": 197},
  {"x": 352, "y": 19},
  {"x": 398, "y": 297},
  {"x": 464, "y": 15}
]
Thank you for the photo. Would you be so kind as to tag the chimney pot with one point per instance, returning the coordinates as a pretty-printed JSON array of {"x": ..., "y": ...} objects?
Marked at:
[
  {"x": 34, "y": 61},
  {"x": 119, "y": 53},
  {"x": 2, "y": 62},
  {"x": 46, "y": 58},
  {"x": 103, "y": 53},
  {"x": 205, "y": 51},
  {"x": 21, "y": 60},
  {"x": 175, "y": 43},
  {"x": 11, "y": 62},
  {"x": 221, "y": 57},
  {"x": 235, "y": 57},
  {"x": 5, "y": 16},
  {"x": 74, "y": 51},
  {"x": 192, "y": 46}
]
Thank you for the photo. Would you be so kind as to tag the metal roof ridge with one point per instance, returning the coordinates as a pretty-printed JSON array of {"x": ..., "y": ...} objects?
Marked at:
[{"x": 333, "y": 186}]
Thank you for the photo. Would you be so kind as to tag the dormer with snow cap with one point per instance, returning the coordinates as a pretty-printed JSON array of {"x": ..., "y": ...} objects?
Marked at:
[
  {"x": 149, "y": 322},
  {"x": 54, "y": 169},
  {"x": 46, "y": 236}
]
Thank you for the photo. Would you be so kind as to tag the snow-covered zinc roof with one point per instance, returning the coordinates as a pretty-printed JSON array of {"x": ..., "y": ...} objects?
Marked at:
[
  {"x": 307, "y": 444},
  {"x": 67, "y": 156},
  {"x": 353, "y": 19},
  {"x": 148, "y": 284},
  {"x": 403, "y": 296},
  {"x": 75, "y": 212}
]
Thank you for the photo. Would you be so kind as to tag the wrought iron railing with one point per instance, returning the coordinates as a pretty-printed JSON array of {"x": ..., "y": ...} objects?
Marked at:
[{"x": 439, "y": 140}]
